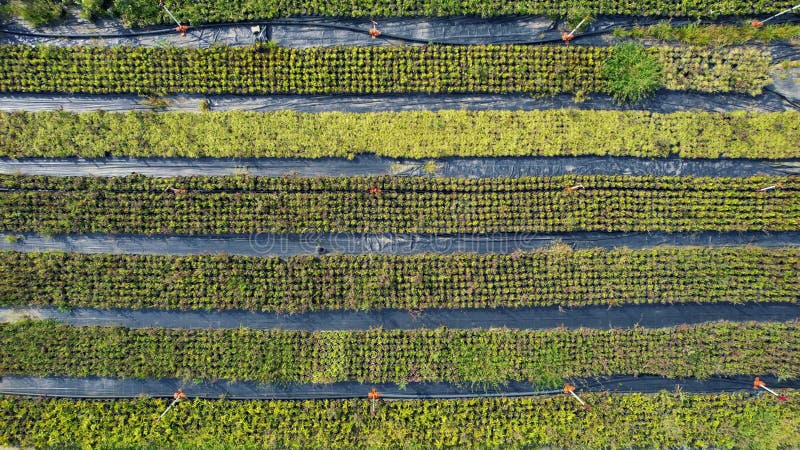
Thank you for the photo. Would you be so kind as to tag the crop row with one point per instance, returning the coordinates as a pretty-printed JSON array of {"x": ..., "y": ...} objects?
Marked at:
[
  {"x": 432, "y": 69},
  {"x": 143, "y": 12},
  {"x": 477, "y": 356},
  {"x": 541, "y": 278},
  {"x": 665, "y": 420},
  {"x": 414, "y": 134},
  {"x": 215, "y": 205}
]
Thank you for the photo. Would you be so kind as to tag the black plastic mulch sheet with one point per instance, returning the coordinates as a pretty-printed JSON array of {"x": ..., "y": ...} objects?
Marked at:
[
  {"x": 369, "y": 164},
  {"x": 269, "y": 244},
  {"x": 663, "y": 102},
  {"x": 598, "y": 317},
  {"x": 327, "y": 31},
  {"x": 114, "y": 388}
]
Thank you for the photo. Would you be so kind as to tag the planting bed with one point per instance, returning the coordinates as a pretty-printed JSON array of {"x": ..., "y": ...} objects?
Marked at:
[
  {"x": 468, "y": 356},
  {"x": 141, "y": 12},
  {"x": 246, "y": 204},
  {"x": 558, "y": 276},
  {"x": 634, "y": 420},
  {"x": 421, "y": 134},
  {"x": 542, "y": 71}
]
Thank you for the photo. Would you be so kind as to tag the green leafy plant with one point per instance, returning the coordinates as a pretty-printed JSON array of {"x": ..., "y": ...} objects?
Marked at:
[{"x": 632, "y": 73}]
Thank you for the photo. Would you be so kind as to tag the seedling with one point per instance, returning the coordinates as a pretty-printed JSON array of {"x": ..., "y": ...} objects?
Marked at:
[
  {"x": 570, "y": 389},
  {"x": 373, "y": 395},
  {"x": 760, "y": 384},
  {"x": 760, "y": 23},
  {"x": 375, "y": 190},
  {"x": 182, "y": 28},
  {"x": 178, "y": 396},
  {"x": 374, "y": 31},
  {"x": 566, "y": 37}
]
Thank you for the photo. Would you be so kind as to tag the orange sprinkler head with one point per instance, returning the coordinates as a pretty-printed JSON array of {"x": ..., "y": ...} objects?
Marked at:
[
  {"x": 566, "y": 37},
  {"x": 568, "y": 388},
  {"x": 179, "y": 395},
  {"x": 374, "y": 32},
  {"x": 757, "y": 383},
  {"x": 757, "y": 24},
  {"x": 374, "y": 394},
  {"x": 182, "y": 29}
]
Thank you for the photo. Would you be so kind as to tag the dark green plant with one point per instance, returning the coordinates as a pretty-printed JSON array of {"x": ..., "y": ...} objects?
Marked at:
[
  {"x": 92, "y": 9},
  {"x": 38, "y": 12},
  {"x": 632, "y": 73}
]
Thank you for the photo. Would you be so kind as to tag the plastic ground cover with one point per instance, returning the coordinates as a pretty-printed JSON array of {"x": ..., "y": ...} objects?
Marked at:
[
  {"x": 272, "y": 244},
  {"x": 663, "y": 102},
  {"x": 304, "y": 32},
  {"x": 369, "y": 164},
  {"x": 99, "y": 387},
  {"x": 602, "y": 317}
]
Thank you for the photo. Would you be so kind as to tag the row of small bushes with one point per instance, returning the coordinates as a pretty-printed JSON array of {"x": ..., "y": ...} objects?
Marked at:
[
  {"x": 538, "y": 70},
  {"x": 417, "y": 134},
  {"x": 143, "y": 12},
  {"x": 666, "y": 420},
  {"x": 213, "y": 205},
  {"x": 460, "y": 356},
  {"x": 542, "y": 278}
]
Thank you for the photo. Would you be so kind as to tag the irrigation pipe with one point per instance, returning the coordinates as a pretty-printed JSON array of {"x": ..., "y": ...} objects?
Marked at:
[
  {"x": 354, "y": 29},
  {"x": 115, "y": 388},
  {"x": 286, "y": 245},
  {"x": 654, "y": 315}
]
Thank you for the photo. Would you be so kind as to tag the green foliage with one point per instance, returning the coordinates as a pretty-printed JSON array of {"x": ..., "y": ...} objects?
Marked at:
[
  {"x": 713, "y": 35},
  {"x": 538, "y": 70},
  {"x": 92, "y": 9},
  {"x": 241, "y": 204},
  {"x": 144, "y": 12},
  {"x": 410, "y": 134},
  {"x": 38, "y": 12},
  {"x": 460, "y": 356},
  {"x": 633, "y": 73},
  {"x": 297, "y": 284}
]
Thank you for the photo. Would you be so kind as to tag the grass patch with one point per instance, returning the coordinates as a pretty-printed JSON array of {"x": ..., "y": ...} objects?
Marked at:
[
  {"x": 712, "y": 35},
  {"x": 632, "y": 73}
]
